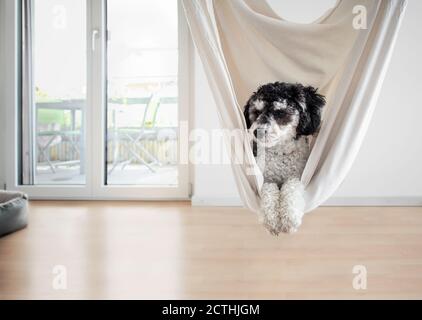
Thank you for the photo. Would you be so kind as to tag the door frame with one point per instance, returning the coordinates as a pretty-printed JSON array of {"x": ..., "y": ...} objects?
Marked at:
[{"x": 95, "y": 116}]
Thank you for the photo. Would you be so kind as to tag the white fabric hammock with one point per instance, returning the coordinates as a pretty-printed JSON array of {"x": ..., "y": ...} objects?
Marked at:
[{"x": 244, "y": 44}]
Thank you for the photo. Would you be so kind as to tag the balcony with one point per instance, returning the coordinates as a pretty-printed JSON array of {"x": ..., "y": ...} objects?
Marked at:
[{"x": 141, "y": 137}]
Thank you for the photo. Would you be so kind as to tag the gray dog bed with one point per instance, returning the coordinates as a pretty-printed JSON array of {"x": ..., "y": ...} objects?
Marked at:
[{"x": 13, "y": 211}]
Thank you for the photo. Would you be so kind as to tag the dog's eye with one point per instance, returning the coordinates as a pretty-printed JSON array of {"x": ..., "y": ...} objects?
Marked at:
[
  {"x": 280, "y": 105},
  {"x": 283, "y": 118},
  {"x": 252, "y": 116}
]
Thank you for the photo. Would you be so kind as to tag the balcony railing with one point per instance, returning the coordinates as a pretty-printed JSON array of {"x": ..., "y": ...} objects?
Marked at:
[{"x": 60, "y": 134}]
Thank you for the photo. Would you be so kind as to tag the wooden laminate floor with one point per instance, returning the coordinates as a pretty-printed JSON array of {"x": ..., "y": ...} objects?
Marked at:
[{"x": 138, "y": 250}]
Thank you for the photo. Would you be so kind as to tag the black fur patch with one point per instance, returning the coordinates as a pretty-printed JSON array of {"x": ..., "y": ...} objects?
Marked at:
[{"x": 295, "y": 96}]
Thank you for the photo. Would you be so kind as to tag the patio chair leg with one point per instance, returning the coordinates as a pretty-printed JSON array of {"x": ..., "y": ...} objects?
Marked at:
[
  {"x": 47, "y": 158},
  {"x": 143, "y": 161},
  {"x": 152, "y": 157},
  {"x": 125, "y": 163},
  {"x": 116, "y": 158},
  {"x": 51, "y": 165},
  {"x": 115, "y": 163}
]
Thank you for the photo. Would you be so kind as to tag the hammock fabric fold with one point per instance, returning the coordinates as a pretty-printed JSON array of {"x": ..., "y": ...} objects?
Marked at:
[{"x": 244, "y": 44}]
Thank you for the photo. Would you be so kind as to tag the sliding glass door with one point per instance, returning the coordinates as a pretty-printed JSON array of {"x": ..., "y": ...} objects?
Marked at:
[
  {"x": 55, "y": 85},
  {"x": 142, "y": 91},
  {"x": 103, "y": 91}
]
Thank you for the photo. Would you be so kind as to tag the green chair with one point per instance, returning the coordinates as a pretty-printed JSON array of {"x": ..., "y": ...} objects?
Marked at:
[{"x": 134, "y": 135}]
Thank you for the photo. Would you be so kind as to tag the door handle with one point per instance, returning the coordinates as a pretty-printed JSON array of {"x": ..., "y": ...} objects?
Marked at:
[{"x": 94, "y": 36}]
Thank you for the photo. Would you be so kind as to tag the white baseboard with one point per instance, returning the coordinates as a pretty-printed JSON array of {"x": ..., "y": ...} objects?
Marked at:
[
  {"x": 375, "y": 201},
  {"x": 335, "y": 201},
  {"x": 216, "y": 202}
]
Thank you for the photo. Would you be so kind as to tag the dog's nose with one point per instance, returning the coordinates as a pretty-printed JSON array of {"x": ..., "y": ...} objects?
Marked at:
[
  {"x": 258, "y": 130},
  {"x": 260, "y": 133}
]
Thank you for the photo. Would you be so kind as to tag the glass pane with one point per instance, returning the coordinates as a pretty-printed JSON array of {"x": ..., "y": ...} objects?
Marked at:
[
  {"x": 142, "y": 109},
  {"x": 59, "y": 84}
]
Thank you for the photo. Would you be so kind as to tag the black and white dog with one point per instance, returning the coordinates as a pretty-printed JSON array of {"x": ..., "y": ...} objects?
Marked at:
[{"x": 281, "y": 116}]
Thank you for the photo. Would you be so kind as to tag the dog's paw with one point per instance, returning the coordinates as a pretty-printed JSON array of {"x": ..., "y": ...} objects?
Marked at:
[
  {"x": 291, "y": 205},
  {"x": 270, "y": 217},
  {"x": 273, "y": 226},
  {"x": 290, "y": 222}
]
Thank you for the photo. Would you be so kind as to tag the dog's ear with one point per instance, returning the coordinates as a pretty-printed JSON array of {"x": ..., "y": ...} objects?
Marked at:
[
  {"x": 310, "y": 118},
  {"x": 246, "y": 114},
  {"x": 246, "y": 111}
]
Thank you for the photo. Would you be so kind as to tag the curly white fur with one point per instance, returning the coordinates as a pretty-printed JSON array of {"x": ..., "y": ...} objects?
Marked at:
[{"x": 282, "y": 201}]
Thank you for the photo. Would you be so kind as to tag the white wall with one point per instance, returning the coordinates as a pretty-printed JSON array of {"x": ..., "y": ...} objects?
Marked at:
[
  {"x": 2, "y": 107},
  {"x": 389, "y": 163},
  {"x": 388, "y": 168},
  {"x": 212, "y": 184}
]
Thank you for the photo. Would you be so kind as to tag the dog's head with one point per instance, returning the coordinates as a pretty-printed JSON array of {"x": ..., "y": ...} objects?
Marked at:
[{"x": 280, "y": 111}]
